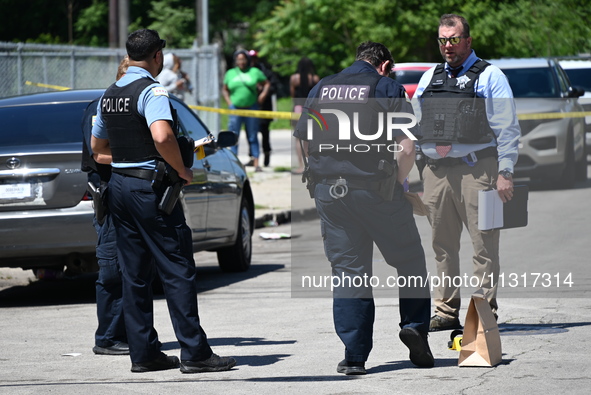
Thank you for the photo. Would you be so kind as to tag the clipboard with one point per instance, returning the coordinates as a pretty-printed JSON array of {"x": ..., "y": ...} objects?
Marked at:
[{"x": 494, "y": 214}]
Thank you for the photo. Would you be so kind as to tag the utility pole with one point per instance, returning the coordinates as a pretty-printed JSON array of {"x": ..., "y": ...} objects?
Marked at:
[
  {"x": 113, "y": 25},
  {"x": 202, "y": 19},
  {"x": 123, "y": 22}
]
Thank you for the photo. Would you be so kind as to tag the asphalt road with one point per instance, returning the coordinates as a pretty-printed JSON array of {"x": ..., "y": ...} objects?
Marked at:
[{"x": 284, "y": 341}]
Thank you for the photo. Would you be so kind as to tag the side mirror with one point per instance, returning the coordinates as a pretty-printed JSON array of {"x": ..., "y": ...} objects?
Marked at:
[
  {"x": 575, "y": 91},
  {"x": 227, "y": 138}
]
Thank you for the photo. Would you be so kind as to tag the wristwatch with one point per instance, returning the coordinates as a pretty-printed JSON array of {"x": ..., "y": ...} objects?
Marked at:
[{"x": 507, "y": 174}]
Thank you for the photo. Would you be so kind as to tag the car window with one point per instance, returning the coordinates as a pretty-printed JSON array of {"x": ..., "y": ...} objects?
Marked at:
[
  {"x": 42, "y": 124},
  {"x": 407, "y": 76},
  {"x": 562, "y": 80},
  {"x": 532, "y": 82},
  {"x": 189, "y": 124},
  {"x": 580, "y": 77}
]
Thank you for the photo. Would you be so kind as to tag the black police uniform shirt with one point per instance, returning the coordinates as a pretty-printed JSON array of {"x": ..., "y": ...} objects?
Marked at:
[{"x": 357, "y": 89}]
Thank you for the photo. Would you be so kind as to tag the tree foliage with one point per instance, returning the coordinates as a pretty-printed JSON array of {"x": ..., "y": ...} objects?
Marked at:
[{"x": 327, "y": 31}]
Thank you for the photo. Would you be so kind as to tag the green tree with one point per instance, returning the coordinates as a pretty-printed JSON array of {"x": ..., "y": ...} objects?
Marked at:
[{"x": 328, "y": 31}]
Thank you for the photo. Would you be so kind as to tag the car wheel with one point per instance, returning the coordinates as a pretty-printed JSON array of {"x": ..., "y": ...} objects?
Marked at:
[
  {"x": 237, "y": 257},
  {"x": 567, "y": 179},
  {"x": 581, "y": 165}
]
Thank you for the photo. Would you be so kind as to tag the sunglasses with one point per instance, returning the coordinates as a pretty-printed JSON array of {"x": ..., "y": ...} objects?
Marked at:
[
  {"x": 162, "y": 45},
  {"x": 452, "y": 40}
]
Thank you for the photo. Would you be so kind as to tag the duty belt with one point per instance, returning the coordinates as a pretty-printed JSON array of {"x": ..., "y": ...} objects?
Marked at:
[
  {"x": 339, "y": 187},
  {"x": 484, "y": 153},
  {"x": 154, "y": 175}
]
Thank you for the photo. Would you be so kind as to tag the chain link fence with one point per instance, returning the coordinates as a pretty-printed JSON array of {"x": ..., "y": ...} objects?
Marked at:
[{"x": 31, "y": 68}]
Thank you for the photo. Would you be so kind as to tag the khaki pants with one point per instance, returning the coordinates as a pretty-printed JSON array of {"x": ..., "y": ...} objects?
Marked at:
[{"x": 451, "y": 193}]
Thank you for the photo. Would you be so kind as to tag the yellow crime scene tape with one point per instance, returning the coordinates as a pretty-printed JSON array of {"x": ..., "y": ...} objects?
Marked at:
[
  {"x": 56, "y": 87},
  {"x": 252, "y": 113},
  {"x": 294, "y": 116}
]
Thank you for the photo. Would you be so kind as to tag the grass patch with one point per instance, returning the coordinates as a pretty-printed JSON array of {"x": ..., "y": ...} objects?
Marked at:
[
  {"x": 260, "y": 206},
  {"x": 282, "y": 169}
]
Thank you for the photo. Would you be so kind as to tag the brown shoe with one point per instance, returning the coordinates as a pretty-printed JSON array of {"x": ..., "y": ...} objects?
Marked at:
[{"x": 439, "y": 323}]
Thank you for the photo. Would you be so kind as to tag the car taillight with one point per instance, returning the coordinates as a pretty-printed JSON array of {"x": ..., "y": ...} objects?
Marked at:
[{"x": 87, "y": 196}]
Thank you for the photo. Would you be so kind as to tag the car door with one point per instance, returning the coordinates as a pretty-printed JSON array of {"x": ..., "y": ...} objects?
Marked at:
[
  {"x": 195, "y": 195},
  {"x": 212, "y": 201}
]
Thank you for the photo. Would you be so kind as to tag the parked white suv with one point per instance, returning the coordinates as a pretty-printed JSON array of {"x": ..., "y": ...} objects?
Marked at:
[
  {"x": 578, "y": 70},
  {"x": 551, "y": 149}
]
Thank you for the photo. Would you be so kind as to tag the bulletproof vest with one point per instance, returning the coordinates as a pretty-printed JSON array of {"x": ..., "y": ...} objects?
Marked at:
[
  {"x": 130, "y": 138},
  {"x": 455, "y": 115},
  {"x": 353, "y": 97},
  {"x": 88, "y": 162}
]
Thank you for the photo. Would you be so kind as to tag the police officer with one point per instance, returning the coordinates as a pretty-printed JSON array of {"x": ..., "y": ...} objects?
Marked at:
[
  {"x": 134, "y": 126},
  {"x": 470, "y": 139},
  {"x": 356, "y": 184}
]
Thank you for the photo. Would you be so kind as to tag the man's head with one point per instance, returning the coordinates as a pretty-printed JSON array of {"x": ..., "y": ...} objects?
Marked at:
[
  {"x": 454, "y": 39},
  {"x": 377, "y": 55},
  {"x": 144, "y": 48}
]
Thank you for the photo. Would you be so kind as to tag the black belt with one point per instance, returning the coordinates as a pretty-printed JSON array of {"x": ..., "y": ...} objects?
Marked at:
[
  {"x": 353, "y": 183},
  {"x": 483, "y": 153},
  {"x": 144, "y": 174}
]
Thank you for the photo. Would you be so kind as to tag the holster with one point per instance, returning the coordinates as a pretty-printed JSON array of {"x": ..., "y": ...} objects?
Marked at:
[
  {"x": 308, "y": 178},
  {"x": 99, "y": 200},
  {"x": 172, "y": 192},
  {"x": 388, "y": 184}
]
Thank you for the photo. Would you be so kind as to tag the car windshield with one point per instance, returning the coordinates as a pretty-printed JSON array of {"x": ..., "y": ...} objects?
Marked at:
[
  {"x": 534, "y": 82},
  {"x": 408, "y": 76},
  {"x": 41, "y": 124},
  {"x": 580, "y": 77}
]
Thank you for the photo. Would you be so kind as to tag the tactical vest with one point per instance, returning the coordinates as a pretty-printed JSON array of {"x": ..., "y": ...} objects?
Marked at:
[
  {"x": 456, "y": 115},
  {"x": 130, "y": 138},
  {"x": 347, "y": 102},
  {"x": 88, "y": 162}
]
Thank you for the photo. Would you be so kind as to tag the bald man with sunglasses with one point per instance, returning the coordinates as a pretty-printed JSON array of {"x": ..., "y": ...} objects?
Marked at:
[{"x": 470, "y": 138}]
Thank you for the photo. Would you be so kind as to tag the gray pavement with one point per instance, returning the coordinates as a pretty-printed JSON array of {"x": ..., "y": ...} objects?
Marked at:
[{"x": 287, "y": 345}]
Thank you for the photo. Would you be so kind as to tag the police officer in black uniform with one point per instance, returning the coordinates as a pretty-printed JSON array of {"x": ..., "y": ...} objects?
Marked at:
[
  {"x": 134, "y": 125},
  {"x": 357, "y": 187}
]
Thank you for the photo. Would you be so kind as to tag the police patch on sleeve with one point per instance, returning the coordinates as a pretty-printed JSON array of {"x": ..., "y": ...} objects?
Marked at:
[{"x": 159, "y": 91}]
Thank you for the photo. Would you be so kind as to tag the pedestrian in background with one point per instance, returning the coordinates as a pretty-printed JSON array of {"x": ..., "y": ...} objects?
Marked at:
[
  {"x": 135, "y": 125},
  {"x": 267, "y": 105},
  {"x": 300, "y": 84},
  {"x": 360, "y": 200},
  {"x": 110, "y": 337},
  {"x": 462, "y": 162},
  {"x": 173, "y": 78},
  {"x": 241, "y": 92}
]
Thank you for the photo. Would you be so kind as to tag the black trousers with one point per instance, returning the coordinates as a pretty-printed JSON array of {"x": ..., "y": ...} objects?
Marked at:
[
  {"x": 349, "y": 227},
  {"x": 148, "y": 241}
]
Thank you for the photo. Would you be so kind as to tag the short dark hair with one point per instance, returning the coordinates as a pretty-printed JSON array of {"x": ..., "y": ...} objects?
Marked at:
[
  {"x": 374, "y": 53},
  {"x": 142, "y": 44},
  {"x": 451, "y": 20}
]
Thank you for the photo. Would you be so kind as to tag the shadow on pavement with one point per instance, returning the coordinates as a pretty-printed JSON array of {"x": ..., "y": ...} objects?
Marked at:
[
  {"x": 538, "y": 329},
  {"x": 81, "y": 289}
]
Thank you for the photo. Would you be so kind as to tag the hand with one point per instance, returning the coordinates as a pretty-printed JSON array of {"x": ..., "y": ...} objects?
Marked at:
[
  {"x": 505, "y": 188},
  {"x": 187, "y": 175}
]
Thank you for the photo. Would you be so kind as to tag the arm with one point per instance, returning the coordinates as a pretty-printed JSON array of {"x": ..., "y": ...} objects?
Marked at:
[
  {"x": 168, "y": 148},
  {"x": 263, "y": 95},
  {"x": 226, "y": 94},
  {"x": 102, "y": 159},
  {"x": 405, "y": 158},
  {"x": 100, "y": 146}
]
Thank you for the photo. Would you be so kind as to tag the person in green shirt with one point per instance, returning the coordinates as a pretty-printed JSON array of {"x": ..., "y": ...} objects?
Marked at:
[{"x": 240, "y": 92}]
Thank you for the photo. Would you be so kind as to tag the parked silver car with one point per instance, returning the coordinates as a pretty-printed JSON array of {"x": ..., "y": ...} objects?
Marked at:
[
  {"x": 46, "y": 213},
  {"x": 551, "y": 149}
]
